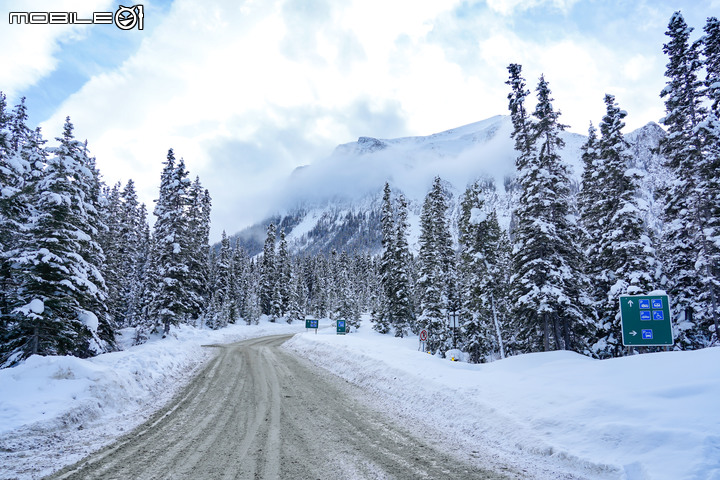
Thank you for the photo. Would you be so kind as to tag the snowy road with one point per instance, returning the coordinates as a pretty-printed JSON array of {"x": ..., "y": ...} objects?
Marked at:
[{"x": 258, "y": 411}]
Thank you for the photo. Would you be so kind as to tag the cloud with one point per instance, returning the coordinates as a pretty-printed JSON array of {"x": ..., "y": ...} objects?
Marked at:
[
  {"x": 508, "y": 7},
  {"x": 246, "y": 92},
  {"x": 29, "y": 51}
]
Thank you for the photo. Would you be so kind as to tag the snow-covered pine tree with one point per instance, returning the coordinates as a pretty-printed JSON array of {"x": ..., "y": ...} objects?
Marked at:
[
  {"x": 197, "y": 239},
  {"x": 93, "y": 252},
  {"x": 284, "y": 274},
  {"x": 19, "y": 154},
  {"x": 381, "y": 315},
  {"x": 298, "y": 291},
  {"x": 169, "y": 305},
  {"x": 53, "y": 265},
  {"x": 711, "y": 52},
  {"x": 133, "y": 234},
  {"x": 137, "y": 300},
  {"x": 218, "y": 313},
  {"x": 547, "y": 283},
  {"x": 483, "y": 273},
  {"x": 523, "y": 131},
  {"x": 688, "y": 208},
  {"x": 624, "y": 256},
  {"x": 709, "y": 212},
  {"x": 268, "y": 272},
  {"x": 401, "y": 303},
  {"x": 435, "y": 259},
  {"x": 346, "y": 307},
  {"x": 22, "y": 158},
  {"x": 241, "y": 272},
  {"x": 111, "y": 243}
]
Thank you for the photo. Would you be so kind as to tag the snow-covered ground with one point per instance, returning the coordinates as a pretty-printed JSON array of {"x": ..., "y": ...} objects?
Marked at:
[
  {"x": 651, "y": 416},
  {"x": 56, "y": 410}
]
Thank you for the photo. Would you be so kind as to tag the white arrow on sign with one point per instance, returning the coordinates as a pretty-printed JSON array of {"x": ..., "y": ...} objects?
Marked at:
[
  {"x": 630, "y": 302},
  {"x": 633, "y": 333}
]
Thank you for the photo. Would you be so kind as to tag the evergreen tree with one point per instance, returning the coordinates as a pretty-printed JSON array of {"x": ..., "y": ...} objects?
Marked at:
[
  {"x": 624, "y": 255},
  {"x": 547, "y": 281},
  {"x": 347, "y": 307},
  {"x": 197, "y": 249},
  {"x": 691, "y": 202},
  {"x": 297, "y": 295},
  {"x": 435, "y": 263},
  {"x": 61, "y": 289},
  {"x": 284, "y": 275},
  {"x": 709, "y": 211},
  {"x": 401, "y": 304},
  {"x": 268, "y": 275},
  {"x": 169, "y": 305},
  {"x": 222, "y": 301},
  {"x": 381, "y": 315},
  {"x": 484, "y": 256}
]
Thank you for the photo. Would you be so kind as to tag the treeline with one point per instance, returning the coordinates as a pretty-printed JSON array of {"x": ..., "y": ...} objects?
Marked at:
[{"x": 77, "y": 259}]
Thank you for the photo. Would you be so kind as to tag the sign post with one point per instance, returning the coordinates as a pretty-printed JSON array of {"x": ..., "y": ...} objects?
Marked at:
[
  {"x": 423, "y": 340},
  {"x": 645, "y": 320},
  {"x": 311, "y": 323},
  {"x": 341, "y": 327}
]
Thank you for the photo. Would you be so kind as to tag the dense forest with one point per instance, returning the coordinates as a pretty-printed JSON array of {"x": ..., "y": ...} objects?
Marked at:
[{"x": 79, "y": 261}]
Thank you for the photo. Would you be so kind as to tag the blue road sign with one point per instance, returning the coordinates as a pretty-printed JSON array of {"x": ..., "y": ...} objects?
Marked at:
[
  {"x": 341, "y": 327},
  {"x": 638, "y": 312}
]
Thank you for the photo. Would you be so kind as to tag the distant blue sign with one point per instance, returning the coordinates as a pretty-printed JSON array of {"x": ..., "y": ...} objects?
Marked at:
[
  {"x": 657, "y": 303},
  {"x": 341, "y": 330},
  {"x": 310, "y": 323},
  {"x": 645, "y": 303},
  {"x": 647, "y": 334},
  {"x": 645, "y": 315},
  {"x": 658, "y": 315}
]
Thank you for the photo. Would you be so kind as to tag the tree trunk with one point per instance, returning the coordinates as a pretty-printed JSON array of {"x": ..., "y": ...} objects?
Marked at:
[
  {"x": 35, "y": 339},
  {"x": 497, "y": 326},
  {"x": 546, "y": 333},
  {"x": 556, "y": 332}
]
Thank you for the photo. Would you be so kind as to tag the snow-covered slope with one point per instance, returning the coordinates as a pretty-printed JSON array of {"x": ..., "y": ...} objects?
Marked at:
[
  {"x": 56, "y": 410},
  {"x": 644, "y": 417},
  {"x": 335, "y": 202},
  {"x": 552, "y": 415}
]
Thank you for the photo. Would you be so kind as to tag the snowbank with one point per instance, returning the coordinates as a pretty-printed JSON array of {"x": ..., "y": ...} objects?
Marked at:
[
  {"x": 55, "y": 410},
  {"x": 652, "y": 416}
]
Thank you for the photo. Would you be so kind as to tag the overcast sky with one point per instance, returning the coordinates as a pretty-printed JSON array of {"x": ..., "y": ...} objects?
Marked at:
[{"x": 245, "y": 91}]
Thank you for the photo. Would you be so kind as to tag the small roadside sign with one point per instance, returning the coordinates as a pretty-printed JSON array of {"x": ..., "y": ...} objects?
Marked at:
[
  {"x": 311, "y": 323},
  {"x": 341, "y": 326},
  {"x": 423, "y": 336},
  {"x": 645, "y": 320}
]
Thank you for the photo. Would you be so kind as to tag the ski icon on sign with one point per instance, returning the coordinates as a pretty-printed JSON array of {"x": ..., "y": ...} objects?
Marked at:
[
  {"x": 657, "y": 303},
  {"x": 645, "y": 303}
]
